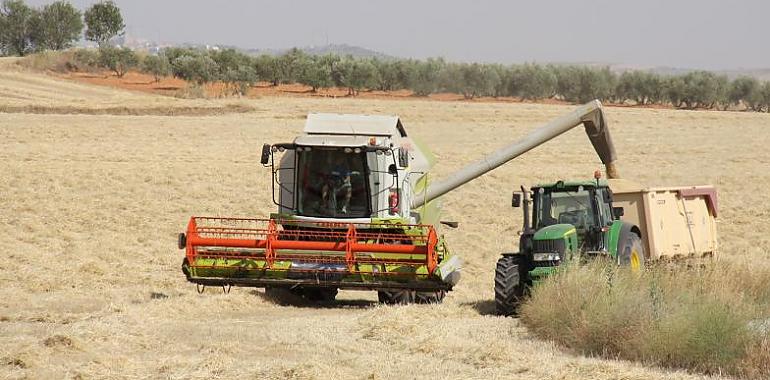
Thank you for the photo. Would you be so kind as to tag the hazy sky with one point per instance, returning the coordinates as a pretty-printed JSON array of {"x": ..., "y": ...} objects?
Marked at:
[{"x": 686, "y": 33}]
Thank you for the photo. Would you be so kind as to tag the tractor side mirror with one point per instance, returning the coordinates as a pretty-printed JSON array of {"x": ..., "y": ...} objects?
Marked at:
[
  {"x": 403, "y": 158},
  {"x": 516, "y": 199},
  {"x": 618, "y": 212},
  {"x": 265, "y": 154}
]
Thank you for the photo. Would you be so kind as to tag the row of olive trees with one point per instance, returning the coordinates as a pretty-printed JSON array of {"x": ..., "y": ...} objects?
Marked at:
[
  {"x": 239, "y": 71},
  {"x": 55, "y": 26},
  {"x": 697, "y": 89}
]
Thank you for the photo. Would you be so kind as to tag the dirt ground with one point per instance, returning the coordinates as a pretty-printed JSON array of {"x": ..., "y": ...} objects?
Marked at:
[{"x": 90, "y": 206}]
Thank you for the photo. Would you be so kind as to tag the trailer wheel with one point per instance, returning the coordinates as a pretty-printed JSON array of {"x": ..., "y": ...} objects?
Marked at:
[
  {"x": 509, "y": 287},
  {"x": 631, "y": 253},
  {"x": 396, "y": 297}
]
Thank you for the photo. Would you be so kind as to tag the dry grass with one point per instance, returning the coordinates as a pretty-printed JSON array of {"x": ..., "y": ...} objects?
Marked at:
[
  {"x": 710, "y": 319},
  {"x": 91, "y": 205},
  {"x": 25, "y": 91}
]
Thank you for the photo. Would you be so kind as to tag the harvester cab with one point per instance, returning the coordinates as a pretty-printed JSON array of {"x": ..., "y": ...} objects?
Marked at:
[
  {"x": 348, "y": 169},
  {"x": 356, "y": 210}
]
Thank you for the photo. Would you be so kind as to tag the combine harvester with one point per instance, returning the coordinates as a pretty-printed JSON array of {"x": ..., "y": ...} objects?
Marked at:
[{"x": 355, "y": 211}]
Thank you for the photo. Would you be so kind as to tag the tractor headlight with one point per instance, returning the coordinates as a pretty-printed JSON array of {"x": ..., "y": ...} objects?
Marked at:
[{"x": 546, "y": 257}]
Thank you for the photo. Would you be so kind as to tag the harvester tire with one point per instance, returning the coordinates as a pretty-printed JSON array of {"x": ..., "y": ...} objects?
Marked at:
[
  {"x": 318, "y": 294},
  {"x": 429, "y": 297},
  {"x": 293, "y": 296},
  {"x": 509, "y": 289},
  {"x": 631, "y": 251},
  {"x": 396, "y": 297}
]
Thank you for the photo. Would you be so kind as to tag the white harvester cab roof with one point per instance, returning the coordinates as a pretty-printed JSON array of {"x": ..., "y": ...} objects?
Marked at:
[{"x": 359, "y": 125}]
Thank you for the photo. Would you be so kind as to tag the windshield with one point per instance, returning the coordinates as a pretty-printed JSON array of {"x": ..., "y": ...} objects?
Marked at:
[
  {"x": 565, "y": 207},
  {"x": 331, "y": 183}
]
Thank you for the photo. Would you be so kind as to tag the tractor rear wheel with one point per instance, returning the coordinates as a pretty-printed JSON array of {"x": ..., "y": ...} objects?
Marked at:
[
  {"x": 509, "y": 285},
  {"x": 631, "y": 252}
]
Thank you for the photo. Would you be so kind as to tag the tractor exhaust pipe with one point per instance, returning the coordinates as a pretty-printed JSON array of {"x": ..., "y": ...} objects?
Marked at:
[
  {"x": 589, "y": 114},
  {"x": 525, "y": 204}
]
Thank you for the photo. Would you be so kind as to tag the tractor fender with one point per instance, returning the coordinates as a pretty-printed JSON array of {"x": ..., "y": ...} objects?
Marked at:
[{"x": 618, "y": 232}]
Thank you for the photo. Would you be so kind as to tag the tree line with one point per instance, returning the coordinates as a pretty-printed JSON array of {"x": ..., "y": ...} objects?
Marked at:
[
  {"x": 58, "y": 25},
  {"x": 239, "y": 71}
]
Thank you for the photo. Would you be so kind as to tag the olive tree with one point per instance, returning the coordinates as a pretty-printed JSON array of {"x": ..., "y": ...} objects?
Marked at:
[
  {"x": 59, "y": 26},
  {"x": 17, "y": 27},
  {"x": 531, "y": 81},
  {"x": 582, "y": 84},
  {"x": 118, "y": 60},
  {"x": 355, "y": 74},
  {"x": 198, "y": 68},
  {"x": 103, "y": 21},
  {"x": 156, "y": 65},
  {"x": 316, "y": 72},
  {"x": 236, "y": 70}
]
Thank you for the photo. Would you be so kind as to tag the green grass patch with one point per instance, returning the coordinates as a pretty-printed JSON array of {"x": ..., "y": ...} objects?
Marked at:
[{"x": 712, "y": 317}]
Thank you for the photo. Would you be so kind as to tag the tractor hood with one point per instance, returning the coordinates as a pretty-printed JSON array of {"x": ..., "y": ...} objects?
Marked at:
[{"x": 553, "y": 232}]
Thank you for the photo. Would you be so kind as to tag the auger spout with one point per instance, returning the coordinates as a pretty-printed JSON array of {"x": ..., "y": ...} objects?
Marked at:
[{"x": 589, "y": 114}]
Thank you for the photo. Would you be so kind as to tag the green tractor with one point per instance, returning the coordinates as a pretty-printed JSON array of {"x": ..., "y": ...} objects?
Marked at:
[{"x": 570, "y": 221}]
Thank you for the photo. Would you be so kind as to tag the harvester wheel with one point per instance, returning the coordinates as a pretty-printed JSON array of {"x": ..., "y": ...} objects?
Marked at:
[
  {"x": 429, "y": 297},
  {"x": 280, "y": 295},
  {"x": 396, "y": 297},
  {"x": 318, "y": 294},
  {"x": 293, "y": 296},
  {"x": 509, "y": 287},
  {"x": 631, "y": 252}
]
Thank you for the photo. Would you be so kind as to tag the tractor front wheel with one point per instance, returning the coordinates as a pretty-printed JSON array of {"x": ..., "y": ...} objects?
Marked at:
[
  {"x": 631, "y": 252},
  {"x": 509, "y": 285}
]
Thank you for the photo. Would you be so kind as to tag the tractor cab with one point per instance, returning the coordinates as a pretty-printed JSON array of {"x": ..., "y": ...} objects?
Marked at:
[
  {"x": 585, "y": 206},
  {"x": 567, "y": 220}
]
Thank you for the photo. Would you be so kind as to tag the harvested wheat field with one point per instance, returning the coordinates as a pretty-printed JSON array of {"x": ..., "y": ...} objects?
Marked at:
[{"x": 91, "y": 205}]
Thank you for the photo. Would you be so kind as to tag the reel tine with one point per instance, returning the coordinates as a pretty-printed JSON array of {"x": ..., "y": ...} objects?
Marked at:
[{"x": 200, "y": 288}]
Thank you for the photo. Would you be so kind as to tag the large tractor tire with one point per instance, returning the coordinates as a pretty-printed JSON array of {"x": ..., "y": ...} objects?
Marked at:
[
  {"x": 510, "y": 287},
  {"x": 631, "y": 251}
]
